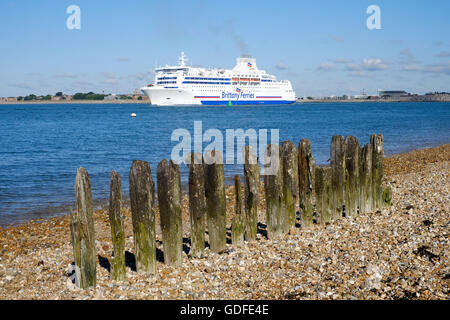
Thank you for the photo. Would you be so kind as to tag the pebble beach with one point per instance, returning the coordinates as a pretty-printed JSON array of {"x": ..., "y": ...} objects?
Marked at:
[{"x": 401, "y": 252}]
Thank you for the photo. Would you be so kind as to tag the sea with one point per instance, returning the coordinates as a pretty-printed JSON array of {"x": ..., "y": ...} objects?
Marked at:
[{"x": 42, "y": 145}]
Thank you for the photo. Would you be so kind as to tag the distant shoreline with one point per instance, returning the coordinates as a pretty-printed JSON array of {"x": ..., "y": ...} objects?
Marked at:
[
  {"x": 77, "y": 102},
  {"x": 148, "y": 102}
]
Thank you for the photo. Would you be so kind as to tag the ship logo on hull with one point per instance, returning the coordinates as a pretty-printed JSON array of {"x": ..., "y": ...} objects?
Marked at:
[{"x": 239, "y": 94}]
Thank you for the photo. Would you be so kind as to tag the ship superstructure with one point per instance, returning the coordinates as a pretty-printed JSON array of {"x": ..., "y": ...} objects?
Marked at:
[{"x": 245, "y": 84}]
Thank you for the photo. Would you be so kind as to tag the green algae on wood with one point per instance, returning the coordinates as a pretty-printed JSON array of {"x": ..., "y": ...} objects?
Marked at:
[
  {"x": 118, "y": 267},
  {"x": 387, "y": 197},
  {"x": 323, "y": 192},
  {"x": 82, "y": 232},
  {"x": 169, "y": 199},
  {"x": 251, "y": 173},
  {"x": 306, "y": 165},
  {"x": 289, "y": 156},
  {"x": 142, "y": 199},
  {"x": 352, "y": 175},
  {"x": 238, "y": 223},
  {"x": 197, "y": 204},
  {"x": 215, "y": 200},
  {"x": 377, "y": 170},
  {"x": 338, "y": 175},
  {"x": 365, "y": 179},
  {"x": 273, "y": 187}
]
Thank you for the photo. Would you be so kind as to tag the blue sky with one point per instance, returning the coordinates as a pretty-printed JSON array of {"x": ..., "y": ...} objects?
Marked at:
[{"x": 323, "y": 47}]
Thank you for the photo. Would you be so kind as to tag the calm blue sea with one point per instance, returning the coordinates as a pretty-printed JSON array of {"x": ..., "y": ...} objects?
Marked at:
[{"x": 41, "y": 146}]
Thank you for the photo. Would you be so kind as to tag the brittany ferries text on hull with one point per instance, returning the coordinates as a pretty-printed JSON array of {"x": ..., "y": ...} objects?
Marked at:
[{"x": 245, "y": 84}]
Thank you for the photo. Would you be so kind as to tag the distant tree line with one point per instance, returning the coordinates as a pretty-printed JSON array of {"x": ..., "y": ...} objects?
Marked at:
[
  {"x": 89, "y": 96},
  {"x": 32, "y": 97}
]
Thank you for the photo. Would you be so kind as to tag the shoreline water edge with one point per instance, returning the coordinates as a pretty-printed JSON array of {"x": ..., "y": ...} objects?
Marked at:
[{"x": 395, "y": 253}]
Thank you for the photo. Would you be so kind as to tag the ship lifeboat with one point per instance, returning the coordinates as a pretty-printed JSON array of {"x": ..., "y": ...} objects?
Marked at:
[{"x": 150, "y": 85}]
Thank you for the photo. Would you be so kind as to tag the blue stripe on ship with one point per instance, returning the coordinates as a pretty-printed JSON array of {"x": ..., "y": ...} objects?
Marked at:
[{"x": 246, "y": 102}]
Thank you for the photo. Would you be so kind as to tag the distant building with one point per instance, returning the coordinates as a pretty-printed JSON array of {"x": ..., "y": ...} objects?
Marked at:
[
  {"x": 362, "y": 96},
  {"x": 393, "y": 93}
]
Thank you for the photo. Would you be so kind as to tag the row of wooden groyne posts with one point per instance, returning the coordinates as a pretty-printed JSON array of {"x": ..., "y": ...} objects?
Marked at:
[{"x": 350, "y": 185}]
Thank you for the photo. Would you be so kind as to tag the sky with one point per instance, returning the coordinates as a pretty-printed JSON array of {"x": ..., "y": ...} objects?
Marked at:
[{"x": 323, "y": 47}]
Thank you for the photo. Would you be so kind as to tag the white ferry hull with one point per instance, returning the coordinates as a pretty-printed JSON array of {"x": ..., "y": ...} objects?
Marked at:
[
  {"x": 169, "y": 97},
  {"x": 176, "y": 97}
]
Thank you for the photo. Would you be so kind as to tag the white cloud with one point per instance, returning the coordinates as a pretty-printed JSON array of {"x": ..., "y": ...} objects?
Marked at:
[
  {"x": 326, "y": 66},
  {"x": 443, "y": 54},
  {"x": 65, "y": 75},
  {"x": 337, "y": 38},
  {"x": 373, "y": 64},
  {"x": 438, "y": 68},
  {"x": 342, "y": 60},
  {"x": 411, "y": 67},
  {"x": 281, "y": 66},
  {"x": 21, "y": 85},
  {"x": 108, "y": 75}
]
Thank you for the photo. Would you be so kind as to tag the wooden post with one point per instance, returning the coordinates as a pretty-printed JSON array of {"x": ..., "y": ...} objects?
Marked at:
[
  {"x": 197, "y": 204},
  {"x": 251, "y": 171},
  {"x": 387, "y": 197},
  {"x": 118, "y": 268},
  {"x": 142, "y": 199},
  {"x": 273, "y": 185},
  {"x": 289, "y": 157},
  {"x": 82, "y": 232},
  {"x": 377, "y": 170},
  {"x": 169, "y": 199},
  {"x": 322, "y": 186},
  {"x": 215, "y": 201},
  {"x": 306, "y": 166},
  {"x": 338, "y": 174},
  {"x": 365, "y": 179},
  {"x": 352, "y": 175},
  {"x": 238, "y": 223}
]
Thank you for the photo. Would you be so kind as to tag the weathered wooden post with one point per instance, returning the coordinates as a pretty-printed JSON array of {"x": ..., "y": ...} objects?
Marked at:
[
  {"x": 377, "y": 169},
  {"x": 273, "y": 185},
  {"x": 251, "y": 171},
  {"x": 322, "y": 186},
  {"x": 306, "y": 165},
  {"x": 352, "y": 175},
  {"x": 387, "y": 197},
  {"x": 238, "y": 223},
  {"x": 215, "y": 200},
  {"x": 365, "y": 179},
  {"x": 197, "y": 204},
  {"x": 82, "y": 232},
  {"x": 338, "y": 174},
  {"x": 289, "y": 157},
  {"x": 118, "y": 268},
  {"x": 169, "y": 199},
  {"x": 142, "y": 199}
]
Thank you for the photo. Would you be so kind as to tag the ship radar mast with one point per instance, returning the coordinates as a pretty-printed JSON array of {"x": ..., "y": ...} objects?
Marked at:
[{"x": 182, "y": 59}]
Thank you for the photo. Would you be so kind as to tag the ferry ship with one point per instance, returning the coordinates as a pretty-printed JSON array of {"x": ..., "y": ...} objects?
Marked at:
[{"x": 245, "y": 84}]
